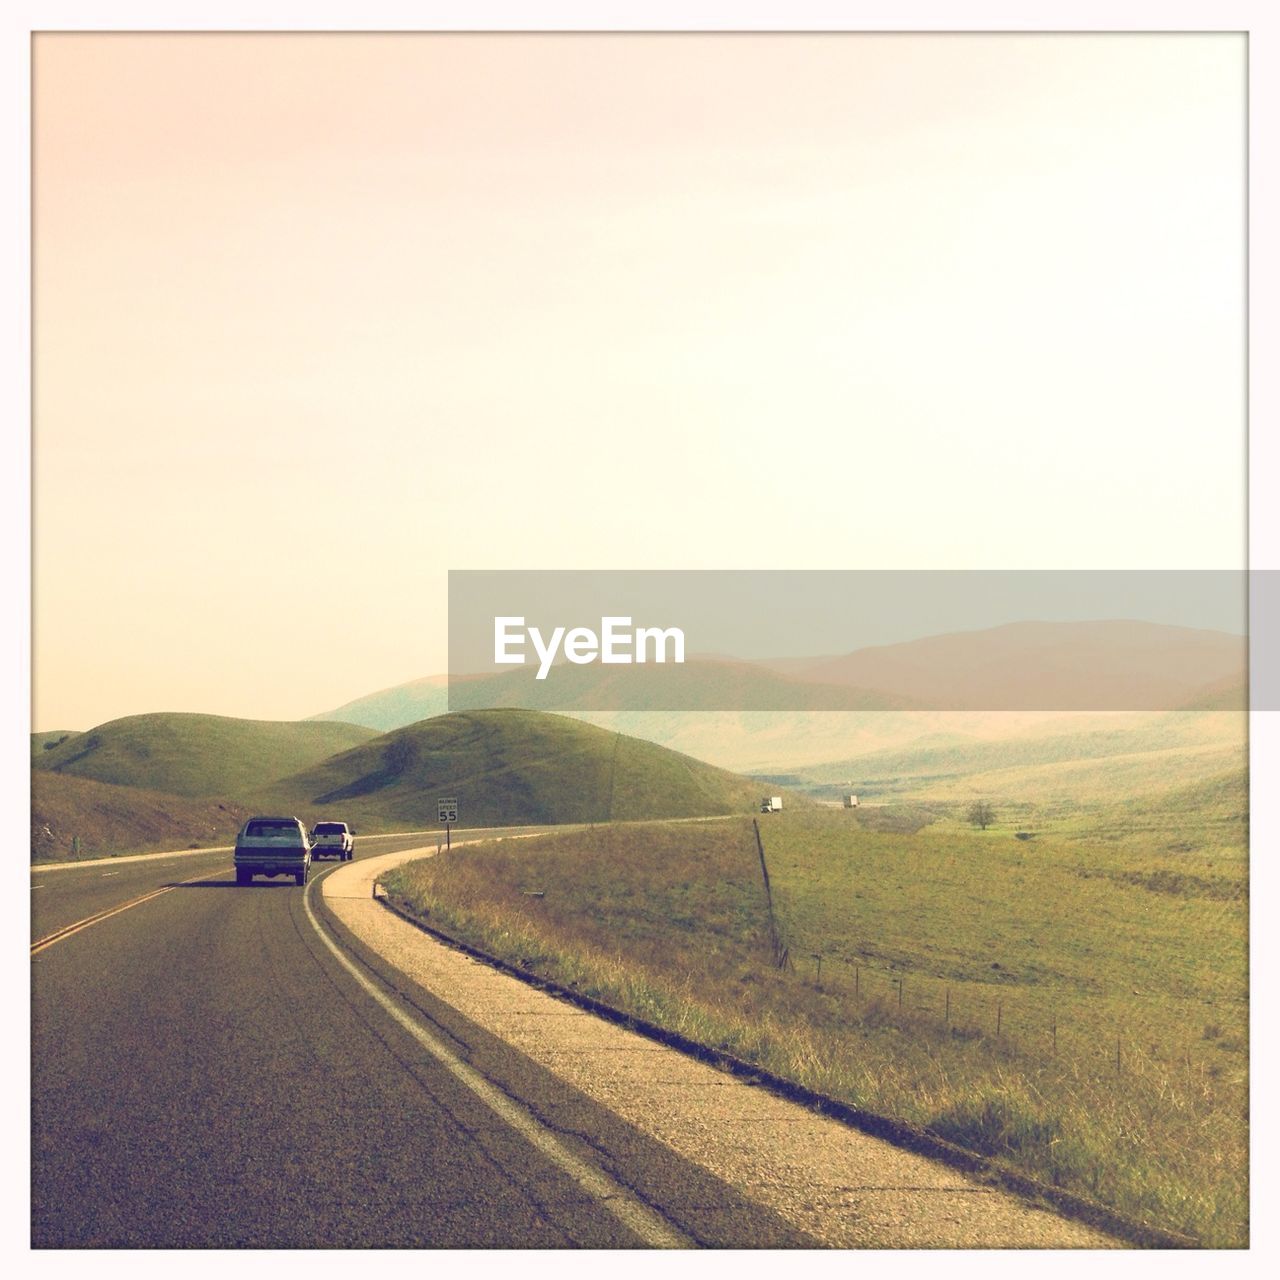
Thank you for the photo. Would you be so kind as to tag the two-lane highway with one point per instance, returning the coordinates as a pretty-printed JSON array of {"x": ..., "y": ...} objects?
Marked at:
[
  {"x": 206, "y": 1072},
  {"x": 64, "y": 894},
  {"x": 203, "y": 1074},
  {"x": 266, "y": 1066}
]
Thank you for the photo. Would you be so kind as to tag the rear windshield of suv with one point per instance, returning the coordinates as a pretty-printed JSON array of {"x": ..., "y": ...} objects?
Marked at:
[
  {"x": 272, "y": 829},
  {"x": 331, "y": 828}
]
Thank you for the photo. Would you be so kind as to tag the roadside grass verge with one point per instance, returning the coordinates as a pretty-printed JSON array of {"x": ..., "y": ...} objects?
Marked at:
[{"x": 1027, "y": 1001}]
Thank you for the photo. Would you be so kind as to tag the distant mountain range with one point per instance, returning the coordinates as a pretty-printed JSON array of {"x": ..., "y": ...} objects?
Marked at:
[
  {"x": 1120, "y": 665},
  {"x": 512, "y": 766},
  {"x": 701, "y": 684},
  {"x": 783, "y": 712},
  {"x": 863, "y": 718}
]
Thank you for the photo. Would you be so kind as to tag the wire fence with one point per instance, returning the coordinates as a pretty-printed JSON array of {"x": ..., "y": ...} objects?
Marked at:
[
  {"x": 1116, "y": 1037},
  {"x": 1115, "y": 1033}
]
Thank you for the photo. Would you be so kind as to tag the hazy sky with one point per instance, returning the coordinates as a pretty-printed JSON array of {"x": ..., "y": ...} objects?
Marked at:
[{"x": 319, "y": 318}]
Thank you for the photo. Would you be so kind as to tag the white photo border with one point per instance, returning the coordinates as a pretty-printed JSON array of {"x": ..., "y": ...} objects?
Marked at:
[{"x": 1257, "y": 18}]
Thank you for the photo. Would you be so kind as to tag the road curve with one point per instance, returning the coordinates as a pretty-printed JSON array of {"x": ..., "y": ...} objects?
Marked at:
[{"x": 208, "y": 1072}]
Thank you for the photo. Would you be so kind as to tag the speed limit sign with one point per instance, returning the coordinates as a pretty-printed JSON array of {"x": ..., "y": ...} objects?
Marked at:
[{"x": 447, "y": 810}]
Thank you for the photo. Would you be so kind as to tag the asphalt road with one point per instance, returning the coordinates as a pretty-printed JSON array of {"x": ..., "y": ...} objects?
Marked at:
[
  {"x": 205, "y": 1073},
  {"x": 63, "y": 894}
]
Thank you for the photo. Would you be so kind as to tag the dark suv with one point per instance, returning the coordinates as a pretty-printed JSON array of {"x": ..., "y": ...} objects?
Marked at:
[{"x": 272, "y": 847}]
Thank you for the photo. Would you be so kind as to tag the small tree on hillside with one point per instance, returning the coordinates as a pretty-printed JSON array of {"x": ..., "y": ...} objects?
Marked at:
[{"x": 981, "y": 814}]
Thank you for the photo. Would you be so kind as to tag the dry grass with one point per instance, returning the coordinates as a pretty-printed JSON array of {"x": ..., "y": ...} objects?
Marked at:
[
  {"x": 79, "y": 818},
  {"x": 669, "y": 921}
]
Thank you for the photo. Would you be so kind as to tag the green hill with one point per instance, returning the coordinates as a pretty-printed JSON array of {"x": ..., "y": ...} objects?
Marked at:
[
  {"x": 942, "y": 757},
  {"x": 1072, "y": 786},
  {"x": 1221, "y": 695},
  {"x": 77, "y": 817},
  {"x": 1206, "y": 819},
  {"x": 396, "y": 707},
  {"x": 507, "y": 767},
  {"x": 197, "y": 755},
  {"x": 42, "y": 743},
  {"x": 1180, "y": 777}
]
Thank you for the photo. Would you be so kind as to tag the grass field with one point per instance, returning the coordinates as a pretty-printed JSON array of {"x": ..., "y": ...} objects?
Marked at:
[{"x": 1075, "y": 1006}]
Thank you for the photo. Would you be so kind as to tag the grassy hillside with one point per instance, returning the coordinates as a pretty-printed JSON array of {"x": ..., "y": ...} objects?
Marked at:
[
  {"x": 508, "y": 767},
  {"x": 1075, "y": 1009},
  {"x": 1181, "y": 777},
  {"x": 742, "y": 741},
  {"x": 79, "y": 818},
  {"x": 779, "y": 742},
  {"x": 834, "y": 745},
  {"x": 700, "y": 685},
  {"x": 1221, "y": 695},
  {"x": 945, "y": 756},
  {"x": 1207, "y": 817},
  {"x": 43, "y": 743},
  {"x": 196, "y": 755},
  {"x": 1077, "y": 795},
  {"x": 393, "y": 708}
]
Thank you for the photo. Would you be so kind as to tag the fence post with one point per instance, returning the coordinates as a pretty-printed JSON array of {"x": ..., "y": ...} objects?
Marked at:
[
  {"x": 948, "y": 1013},
  {"x": 999, "y": 1014},
  {"x": 779, "y": 952}
]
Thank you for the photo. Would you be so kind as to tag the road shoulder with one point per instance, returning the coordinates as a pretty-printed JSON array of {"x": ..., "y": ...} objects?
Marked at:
[{"x": 828, "y": 1183}]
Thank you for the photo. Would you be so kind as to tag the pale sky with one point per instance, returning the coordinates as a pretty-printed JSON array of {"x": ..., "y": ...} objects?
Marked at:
[{"x": 319, "y": 318}]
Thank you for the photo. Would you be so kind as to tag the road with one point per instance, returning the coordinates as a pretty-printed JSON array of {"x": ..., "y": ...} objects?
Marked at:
[{"x": 206, "y": 1071}]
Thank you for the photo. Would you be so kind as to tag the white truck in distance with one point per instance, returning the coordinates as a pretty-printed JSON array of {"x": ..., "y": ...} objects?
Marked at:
[
  {"x": 335, "y": 838},
  {"x": 771, "y": 804}
]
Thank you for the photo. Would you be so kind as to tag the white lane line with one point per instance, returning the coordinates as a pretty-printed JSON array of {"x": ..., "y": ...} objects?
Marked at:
[
  {"x": 636, "y": 1216},
  {"x": 86, "y": 864},
  {"x": 106, "y": 874}
]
